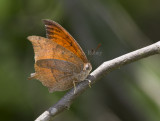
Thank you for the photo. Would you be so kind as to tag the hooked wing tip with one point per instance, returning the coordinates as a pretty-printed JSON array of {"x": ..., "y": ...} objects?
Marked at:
[
  {"x": 30, "y": 38},
  {"x": 35, "y": 38}
]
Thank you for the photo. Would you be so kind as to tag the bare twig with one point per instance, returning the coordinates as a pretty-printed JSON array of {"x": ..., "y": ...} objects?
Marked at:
[{"x": 106, "y": 67}]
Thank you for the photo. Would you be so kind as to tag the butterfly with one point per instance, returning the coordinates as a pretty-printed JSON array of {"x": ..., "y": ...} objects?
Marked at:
[{"x": 59, "y": 60}]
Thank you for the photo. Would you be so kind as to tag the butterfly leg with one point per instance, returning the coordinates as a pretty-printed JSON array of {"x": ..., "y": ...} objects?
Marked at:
[
  {"x": 74, "y": 85},
  {"x": 89, "y": 82}
]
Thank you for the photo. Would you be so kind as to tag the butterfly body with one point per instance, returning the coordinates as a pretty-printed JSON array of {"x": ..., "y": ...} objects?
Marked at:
[{"x": 59, "y": 60}]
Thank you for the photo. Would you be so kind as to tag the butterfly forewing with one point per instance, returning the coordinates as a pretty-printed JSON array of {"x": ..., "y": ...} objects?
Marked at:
[
  {"x": 47, "y": 49},
  {"x": 58, "y": 34}
]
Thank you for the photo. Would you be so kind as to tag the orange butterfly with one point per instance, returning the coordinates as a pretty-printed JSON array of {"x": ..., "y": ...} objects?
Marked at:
[{"x": 59, "y": 60}]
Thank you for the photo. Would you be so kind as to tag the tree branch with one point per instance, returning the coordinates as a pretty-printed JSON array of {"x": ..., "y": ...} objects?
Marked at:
[{"x": 106, "y": 67}]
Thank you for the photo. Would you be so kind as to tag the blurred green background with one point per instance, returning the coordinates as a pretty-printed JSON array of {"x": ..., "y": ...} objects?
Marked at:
[{"x": 131, "y": 93}]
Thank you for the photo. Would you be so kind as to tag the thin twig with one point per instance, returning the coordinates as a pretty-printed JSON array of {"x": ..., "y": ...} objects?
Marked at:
[{"x": 106, "y": 67}]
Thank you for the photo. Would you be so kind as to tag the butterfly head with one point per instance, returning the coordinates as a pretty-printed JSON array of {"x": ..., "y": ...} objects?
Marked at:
[
  {"x": 86, "y": 70},
  {"x": 87, "y": 67}
]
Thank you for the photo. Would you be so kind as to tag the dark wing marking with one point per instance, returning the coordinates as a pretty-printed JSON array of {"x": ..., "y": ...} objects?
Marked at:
[{"x": 56, "y": 64}]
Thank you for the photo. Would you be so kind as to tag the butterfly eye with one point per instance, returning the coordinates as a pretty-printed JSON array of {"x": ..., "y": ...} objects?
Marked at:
[{"x": 87, "y": 66}]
